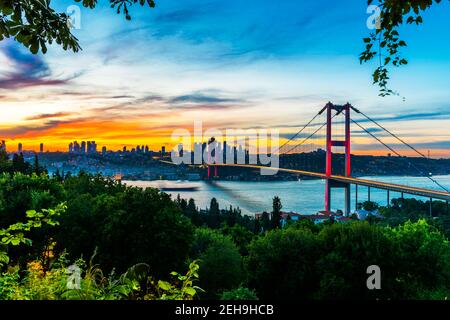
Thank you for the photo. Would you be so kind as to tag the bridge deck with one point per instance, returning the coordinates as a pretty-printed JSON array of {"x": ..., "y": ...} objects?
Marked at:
[{"x": 435, "y": 194}]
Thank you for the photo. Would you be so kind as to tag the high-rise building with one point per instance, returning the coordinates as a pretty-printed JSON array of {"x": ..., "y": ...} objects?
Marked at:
[
  {"x": 146, "y": 149},
  {"x": 19, "y": 148},
  {"x": 71, "y": 147},
  {"x": 3, "y": 145},
  {"x": 103, "y": 150},
  {"x": 163, "y": 150},
  {"x": 83, "y": 147},
  {"x": 138, "y": 149},
  {"x": 76, "y": 147},
  {"x": 41, "y": 148},
  {"x": 124, "y": 149},
  {"x": 225, "y": 149},
  {"x": 203, "y": 151}
]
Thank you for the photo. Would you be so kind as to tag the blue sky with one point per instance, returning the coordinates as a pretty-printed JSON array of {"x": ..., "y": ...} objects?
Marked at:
[{"x": 241, "y": 64}]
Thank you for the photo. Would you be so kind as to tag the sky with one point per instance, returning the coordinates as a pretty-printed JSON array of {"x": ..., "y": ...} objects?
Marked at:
[{"x": 234, "y": 64}]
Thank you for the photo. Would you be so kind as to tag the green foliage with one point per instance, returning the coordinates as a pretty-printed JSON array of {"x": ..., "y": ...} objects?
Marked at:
[
  {"x": 52, "y": 284},
  {"x": 348, "y": 249},
  {"x": 130, "y": 226},
  {"x": 239, "y": 294},
  {"x": 295, "y": 263},
  {"x": 215, "y": 217},
  {"x": 281, "y": 264},
  {"x": 369, "y": 205},
  {"x": 220, "y": 262},
  {"x": 240, "y": 236},
  {"x": 183, "y": 288},
  {"x": 276, "y": 212},
  {"x": 422, "y": 257},
  {"x": 127, "y": 225},
  {"x": 14, "y": 235},
  {"x": 35, "y": 24},
  {"x": 385, "y": 43},
  {"x": 214, "y": 207},
  {"x": 403, "y": 210}
]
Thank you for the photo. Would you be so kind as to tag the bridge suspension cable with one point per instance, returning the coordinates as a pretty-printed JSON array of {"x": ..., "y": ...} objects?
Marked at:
[
  {"x": 394, "y": 151},
  {"x": 310, "y": 136},
  {"x": 391, "y": 133},
  {"x": 301, "y": 130}
]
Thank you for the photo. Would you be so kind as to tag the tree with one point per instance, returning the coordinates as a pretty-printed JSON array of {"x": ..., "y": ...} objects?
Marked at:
[
  {"x": 19, "y": 164},
  {"x": 348, "y": 250},
  {"x": 219, "y": 260},
  {"x": 276, "y": 212},
  {"x": 385, "y": 43},
  {"x": 127, "y": 225},
  {"x": 370, "y": 205},
  {"x": 240, "y": 293},
  {"x": 265, "y": 222},
  {"x": 35, "y": 24},
  {"x": 240, "y": 236},
  {"x": 281, "y": 264},
  {"x": 14, "y": 235},
  {"x": 36, "y": 167},
  {"x": 422, "y": 259},
  {"x": 214, "y": 207}
]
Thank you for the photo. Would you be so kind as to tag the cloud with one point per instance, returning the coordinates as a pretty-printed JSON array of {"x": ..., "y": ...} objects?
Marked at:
[
  {"x": 201, "y": 98},
  {"x": 24, "y": 130},
  {"x": 29, "y": 70},
  {"x": 436, "y": 115},
  {"x": 50, "y": 115}
]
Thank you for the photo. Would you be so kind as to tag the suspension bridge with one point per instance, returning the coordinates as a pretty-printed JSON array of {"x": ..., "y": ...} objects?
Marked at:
[{"x": 314, "y": 133}]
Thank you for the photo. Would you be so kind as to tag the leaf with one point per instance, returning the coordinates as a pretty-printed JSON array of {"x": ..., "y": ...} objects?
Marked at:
[
  {"x": 31, "y": 213},
  {"x": 164, "y": 285},
  {"x": 190, "y": 291}
]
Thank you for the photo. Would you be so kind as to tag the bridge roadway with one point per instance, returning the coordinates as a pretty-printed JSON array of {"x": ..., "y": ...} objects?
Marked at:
[{"x": 434, "y": 194}]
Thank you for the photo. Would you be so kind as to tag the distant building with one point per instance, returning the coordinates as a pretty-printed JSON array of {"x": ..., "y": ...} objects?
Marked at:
[
  {"x": 83, "y": 147},
  {"x": 124, "y": 149},
  {"x": 91, "y": 147},
  {"x": 41, "y": 148},
  {"x": 103, "y": 150},
  {"x": 146, "y": 149},
  {"x": 76, "y": 147},
  {"x": 3, "y": 145},
  {"x": 71, "y": 147},
  {"x": 19, "y": 148},
  {"x": 163, "y": 150}
]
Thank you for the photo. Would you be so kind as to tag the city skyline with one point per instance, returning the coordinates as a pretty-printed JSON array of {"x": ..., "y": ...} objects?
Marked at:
[{"x": 181, "y": 66}]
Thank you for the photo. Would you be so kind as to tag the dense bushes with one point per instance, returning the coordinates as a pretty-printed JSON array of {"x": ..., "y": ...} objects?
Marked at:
[
  {"x": 126, "y": 226},
  {"x": 331, "y": 264},
  {"x": 220, "y": 262},
  {"x": 281, "y": 264}
]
